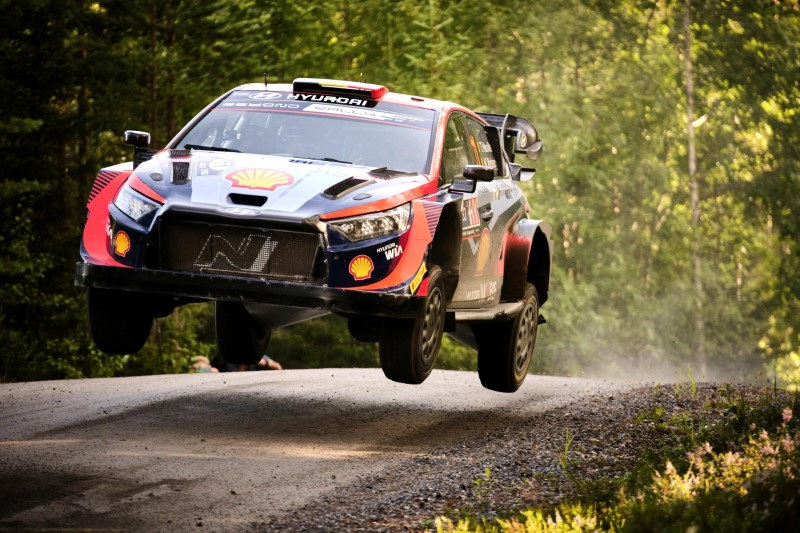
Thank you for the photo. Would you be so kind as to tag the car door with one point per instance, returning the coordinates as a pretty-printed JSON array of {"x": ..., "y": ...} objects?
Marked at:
[{"x": 480, "y": 278}]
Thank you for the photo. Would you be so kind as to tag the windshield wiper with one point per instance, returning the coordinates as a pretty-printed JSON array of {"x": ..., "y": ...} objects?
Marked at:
[
  {"x": 213, "y": 148},
  {"x": 385, "y": 171},
  {"x": 330, "y": 159}
]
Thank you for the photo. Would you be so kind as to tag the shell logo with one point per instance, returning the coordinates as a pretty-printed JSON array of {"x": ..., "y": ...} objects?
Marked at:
[
  {"x": 122, "y": 243},
  {"x": 259, "y": 178},
  {"x": 484, "y": 250},
  {"x": 361, "y": 267}
]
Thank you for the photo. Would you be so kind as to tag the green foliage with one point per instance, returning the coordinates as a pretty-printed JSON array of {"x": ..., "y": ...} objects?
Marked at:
[
  {"x": 321, "y": 343},
  {"x": 174, "y": 341},
  {"x": 747, "y": 480}
]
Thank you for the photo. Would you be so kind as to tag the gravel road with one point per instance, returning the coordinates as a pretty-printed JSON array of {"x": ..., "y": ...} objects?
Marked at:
[{"x": 292, "y": 450}]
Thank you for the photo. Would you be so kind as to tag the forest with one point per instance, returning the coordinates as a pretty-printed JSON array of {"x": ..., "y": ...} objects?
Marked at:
[{"x": 671, "y": 169}]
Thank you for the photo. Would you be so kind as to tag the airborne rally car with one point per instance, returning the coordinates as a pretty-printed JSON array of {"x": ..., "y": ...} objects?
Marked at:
[{"x": 284, "y": 202}]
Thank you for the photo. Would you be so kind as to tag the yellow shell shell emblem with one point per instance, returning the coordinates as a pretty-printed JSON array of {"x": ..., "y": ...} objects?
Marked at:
[
  {"x": 361, "y": 267},
  {"x": 259, "y": 178},
  {"x": 122, "y": 243},
  {"x": 484, "y": 251}
]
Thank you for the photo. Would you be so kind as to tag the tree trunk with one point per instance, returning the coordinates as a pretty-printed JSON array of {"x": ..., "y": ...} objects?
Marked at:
[
  {"x": 699, "y": 321},
  {"x": 153, "y": 72}
]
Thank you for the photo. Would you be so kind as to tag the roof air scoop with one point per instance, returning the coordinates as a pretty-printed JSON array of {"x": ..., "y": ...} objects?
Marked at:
[{"x": 339, "y": 88}]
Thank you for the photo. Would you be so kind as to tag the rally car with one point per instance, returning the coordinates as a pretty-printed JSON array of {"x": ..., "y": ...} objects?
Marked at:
[{"x": 284, "y": 202}]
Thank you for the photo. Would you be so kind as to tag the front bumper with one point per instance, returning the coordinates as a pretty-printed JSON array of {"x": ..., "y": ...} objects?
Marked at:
[{"x": 216, "y": 287}]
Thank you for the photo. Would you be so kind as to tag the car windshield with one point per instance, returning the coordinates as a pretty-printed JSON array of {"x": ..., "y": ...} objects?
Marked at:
[{"x": 329, "y": 128}]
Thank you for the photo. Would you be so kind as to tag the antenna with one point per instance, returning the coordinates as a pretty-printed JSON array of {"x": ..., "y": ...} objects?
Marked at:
[
  {"x": 265, "y": 80},
  {"x": 369, "y": 43}
]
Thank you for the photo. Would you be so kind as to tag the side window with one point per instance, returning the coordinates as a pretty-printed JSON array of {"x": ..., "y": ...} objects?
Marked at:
[
  {"x": 456, "y": 153},
  {"x": 479, "y": 144}
]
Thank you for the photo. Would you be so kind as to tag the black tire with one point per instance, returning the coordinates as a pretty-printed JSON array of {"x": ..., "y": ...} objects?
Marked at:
[
  {"x": 241, "y": 340},
  {"x": 408, "y": 347},
  {"x": 118, "y": 321},
  {"x": 505, "y": 349}
]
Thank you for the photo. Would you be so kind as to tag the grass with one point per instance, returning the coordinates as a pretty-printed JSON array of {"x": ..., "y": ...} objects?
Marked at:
[{"x": 740, "y": 474}]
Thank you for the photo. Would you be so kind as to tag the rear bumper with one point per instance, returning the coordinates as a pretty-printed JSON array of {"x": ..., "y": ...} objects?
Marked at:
[{"x": 215, "y": 287}]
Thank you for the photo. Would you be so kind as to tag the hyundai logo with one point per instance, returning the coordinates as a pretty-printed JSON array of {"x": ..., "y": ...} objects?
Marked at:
[
  {"x": 264, "y": 96},
  {"x": 240, "y": 211}
]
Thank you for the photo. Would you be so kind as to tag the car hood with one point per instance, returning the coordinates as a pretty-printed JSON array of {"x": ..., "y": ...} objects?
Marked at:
[{"x": 272, "y": 186}]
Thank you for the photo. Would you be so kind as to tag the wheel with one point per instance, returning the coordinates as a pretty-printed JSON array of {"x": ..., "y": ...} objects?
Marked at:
[
  {"x": 118, "y": 320},
  {"x": 505, "y": 349},
  {"x": 408, "y": 347},
  {"x": 241, "y": 340}
]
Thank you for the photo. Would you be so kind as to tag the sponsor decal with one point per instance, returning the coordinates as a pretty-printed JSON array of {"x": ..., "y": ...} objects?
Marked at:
[
  {"x": 122, "y": 243},
  {"x": 259, "y": 178},
  {"x": 469, "y": 213},
  {"x": 328, "y": 99},
  {"x": 414, "y": 285},
  {"x": 219, "y": 164},
  {"x": 240, "y": 211},
  {"x": 370, "y": 114},
  {"x": 361, "y": 267},
  {"x": 391, "y": 250},
  {"x": 484, "y": 251},
  {"x": 487, "y": 289},
  {"x": 250, "y": 255},
  {"x": 263, "y": 105},
  {"x": 265, "y": 96}
]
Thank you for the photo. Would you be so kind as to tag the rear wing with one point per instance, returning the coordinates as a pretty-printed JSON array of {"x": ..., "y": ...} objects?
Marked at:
[{"x": 518, "y": 136}]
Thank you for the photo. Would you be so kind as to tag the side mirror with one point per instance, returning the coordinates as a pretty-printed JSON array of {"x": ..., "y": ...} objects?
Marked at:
[
  {"x": 140, "y": 140},
  {"x": 478, "y": 173},
  {"x": 472, "y": 175}
]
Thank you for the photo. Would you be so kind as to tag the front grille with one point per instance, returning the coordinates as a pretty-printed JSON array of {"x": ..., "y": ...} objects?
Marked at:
[{"x": 220, "y": 248}]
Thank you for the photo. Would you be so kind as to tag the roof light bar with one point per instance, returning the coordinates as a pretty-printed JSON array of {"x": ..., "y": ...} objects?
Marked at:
[{"x": 337, "y": 87}]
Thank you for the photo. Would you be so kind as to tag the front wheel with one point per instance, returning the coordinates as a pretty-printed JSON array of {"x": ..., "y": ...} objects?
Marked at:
[
  {"x": 240, "y": 338},
  {"x": 119, "y": 321},
  {"x": 408, "y": 347},
  {"x": 505, "y": 349}
]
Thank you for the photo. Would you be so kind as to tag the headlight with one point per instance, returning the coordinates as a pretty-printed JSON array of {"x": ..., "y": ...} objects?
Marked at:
[
  {"x": 365, "y": 227},
  {"x": 134, "y": 204}
]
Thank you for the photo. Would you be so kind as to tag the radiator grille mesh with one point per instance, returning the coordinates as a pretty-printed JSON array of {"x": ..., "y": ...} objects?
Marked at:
[{"x": 268, "y": 254}]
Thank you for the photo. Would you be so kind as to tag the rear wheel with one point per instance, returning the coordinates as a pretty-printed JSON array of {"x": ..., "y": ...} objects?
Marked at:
[
  {"x": 408, "y": 347},
  {"x": 241, "y": 340},
  {"x": 118, "y": 320},
  {"x": 505, "y": 349}
]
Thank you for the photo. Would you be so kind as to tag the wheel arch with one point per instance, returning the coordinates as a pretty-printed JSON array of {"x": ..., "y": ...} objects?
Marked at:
[
  {"x": 539, "y": 263},
  {"x": 445, "y": 249},
  {"x": 528, "y": 253}
]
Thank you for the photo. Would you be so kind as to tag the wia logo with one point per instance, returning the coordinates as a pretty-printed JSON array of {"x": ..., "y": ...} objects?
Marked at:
[
  {"x": 393, "y": 252},
  {"x": 250, "y": 255}
]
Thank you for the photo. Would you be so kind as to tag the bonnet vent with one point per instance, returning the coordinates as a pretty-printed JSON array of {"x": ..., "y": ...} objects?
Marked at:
[
  {"x": 346, "y": 187},
  {"x": 180, "y": 172}
]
